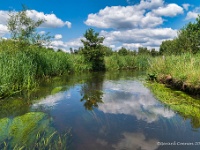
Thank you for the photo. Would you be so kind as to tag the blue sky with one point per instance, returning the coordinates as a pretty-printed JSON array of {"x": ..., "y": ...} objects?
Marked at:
[{"x": 123, "y": 23}]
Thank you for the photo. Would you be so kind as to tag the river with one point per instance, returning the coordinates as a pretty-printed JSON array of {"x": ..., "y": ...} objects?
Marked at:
[{"x": 102, "y": 111}]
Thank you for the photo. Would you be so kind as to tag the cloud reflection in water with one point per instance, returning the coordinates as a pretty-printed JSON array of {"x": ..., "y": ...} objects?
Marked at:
[
  {"x": 52, "y": 100},
  {"x": 132, "y": 98},
  {"x": 135, "y": 141}
]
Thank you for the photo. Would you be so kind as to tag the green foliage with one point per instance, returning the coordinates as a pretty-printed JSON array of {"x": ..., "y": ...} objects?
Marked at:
[
  {"x": 143, "y": 51},
  {"x": 107, "y": 50},
  {"x": 23, "y": 28},
  {"x": 93, "y": 50},
  {"x": 123, "y": 51},
  {"x": 188, "y": 40}
]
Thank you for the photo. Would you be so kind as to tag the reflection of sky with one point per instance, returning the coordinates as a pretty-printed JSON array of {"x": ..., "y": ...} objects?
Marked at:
[
  {"x": 135, "y": 141},
  {"x": 52, "y": 100},
  {"x": 132, "y": 98}
]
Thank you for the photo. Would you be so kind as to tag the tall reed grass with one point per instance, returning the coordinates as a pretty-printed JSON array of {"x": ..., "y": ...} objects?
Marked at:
[
  {"x": 117, "y": 62},
  {"x": 184, "y": 68},
  {"x": 20, "y": 69},
  {"x": 22, "y": 66}
]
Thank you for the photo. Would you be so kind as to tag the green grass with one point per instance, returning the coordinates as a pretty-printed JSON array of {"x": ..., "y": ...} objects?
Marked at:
[
  {"x": 20, "y": 70},
  {"x": 117, "y": 62},
  {"x": 22, "y": 67},
  {"x": 183, "y": 68}
]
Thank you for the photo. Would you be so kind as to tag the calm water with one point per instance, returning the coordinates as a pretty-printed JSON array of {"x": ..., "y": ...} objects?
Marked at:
[{"x": 111, "y": 111}]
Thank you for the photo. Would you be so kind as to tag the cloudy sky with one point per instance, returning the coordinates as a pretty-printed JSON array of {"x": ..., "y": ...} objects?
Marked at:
[{"x": 127, "y": 23}]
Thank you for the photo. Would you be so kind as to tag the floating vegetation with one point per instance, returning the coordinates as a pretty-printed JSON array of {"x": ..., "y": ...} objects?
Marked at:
[
  {"x": 31, "y": 131},
  {"x": 186, "y": 106}
]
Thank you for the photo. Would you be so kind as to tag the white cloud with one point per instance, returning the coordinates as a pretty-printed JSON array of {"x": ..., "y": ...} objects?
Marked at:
[
  {"x": 120, "y": 17},
  {"x": 191, "y": 15},
  {"x": 186, "y": 6},
  {"x": 3, "y": 30},
  {"x": 42, "y": 32},
  {"x": 51, "y": 20},
  {"x": 69, "y": 24},
  {"x": 65, "y": 46},
  {"x": 146, "y": 14},
  {"x": 3, "y": 17},
  {"x": 3, "y": 21},
  {"x": 169, "y": 10},
  {"x": 132, "y": 39},
  {"x": 58, "y": 36}
]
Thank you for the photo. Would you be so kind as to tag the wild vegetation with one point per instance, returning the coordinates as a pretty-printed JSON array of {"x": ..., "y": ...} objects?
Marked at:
[
  {"x": 179, "y": 65},
  {"x": 26, "y": 58}
]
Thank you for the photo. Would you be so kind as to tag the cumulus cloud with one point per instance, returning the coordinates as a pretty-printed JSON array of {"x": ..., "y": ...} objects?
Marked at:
[
  {"x": 121, "y": 17},
  {"x": 193, "y": 14},
  {"x": 3, "y": 21},
  {"x": 169, "y": 10},
  {"x": 132, "y": 39},
  {"x": 3, "y": 30},
  {"x": 186, "y": 6},
  {"x": 51, "y": 20},
  {"x": 58, "y": 36},
  {"x": 65, "y": 46},
  {"x": 146, "y": 14}
]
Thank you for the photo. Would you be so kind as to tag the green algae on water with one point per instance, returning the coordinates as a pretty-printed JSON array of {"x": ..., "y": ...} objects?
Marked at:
[{"x": 183, "y": 104}]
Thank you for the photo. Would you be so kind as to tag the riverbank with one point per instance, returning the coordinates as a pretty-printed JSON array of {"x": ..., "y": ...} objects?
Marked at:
[
  {"x": 180, "y": 72},
  {"x": 22, "y": 67}
]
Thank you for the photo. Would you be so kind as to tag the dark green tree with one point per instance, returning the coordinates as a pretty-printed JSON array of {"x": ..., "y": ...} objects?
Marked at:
[
  {"x": 123, "y": 51},
  {"x": 23, "y": 28},
  {"x": 143, "y": 51},
  {"x": 93, "y": 49},
  {"x": 189, "y": 37}
]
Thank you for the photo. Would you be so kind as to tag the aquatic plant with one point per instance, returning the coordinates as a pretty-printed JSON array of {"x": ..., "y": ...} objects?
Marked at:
[
  {"x": 31, "y": 131},
  {"x": 186, "y": 106}
]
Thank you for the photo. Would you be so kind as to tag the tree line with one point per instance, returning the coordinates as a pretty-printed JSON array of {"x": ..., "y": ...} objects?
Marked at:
[{"x": 187, "y": 41}]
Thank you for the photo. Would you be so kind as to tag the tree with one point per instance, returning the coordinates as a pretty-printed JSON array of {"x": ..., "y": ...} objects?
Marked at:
[
  {"x": 189, "y": 36},
  {"x": 143, "y": 51},
  {"x": 123, "y": 51},
  {"x": 23, "y": 28},
  {"x": 93, "y": 49}
]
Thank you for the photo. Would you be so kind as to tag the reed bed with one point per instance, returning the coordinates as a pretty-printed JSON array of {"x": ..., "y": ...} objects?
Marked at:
[
  {"x": 117, "y": 62},
  {"x": 184, "y": 68},
  {"x": 21, "y": 66}
]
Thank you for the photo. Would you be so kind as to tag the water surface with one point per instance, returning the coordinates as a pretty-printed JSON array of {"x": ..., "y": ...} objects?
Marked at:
[{"x": 105, "y": 111}]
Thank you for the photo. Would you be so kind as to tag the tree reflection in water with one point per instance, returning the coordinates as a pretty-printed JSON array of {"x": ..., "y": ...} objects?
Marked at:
[{"x": 92, "y": 91}]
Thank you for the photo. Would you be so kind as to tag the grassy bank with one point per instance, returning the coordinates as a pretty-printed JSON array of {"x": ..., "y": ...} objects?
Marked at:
[
  {"x": 21, "y": 67},
  {"x": 181, "y": 72}
]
